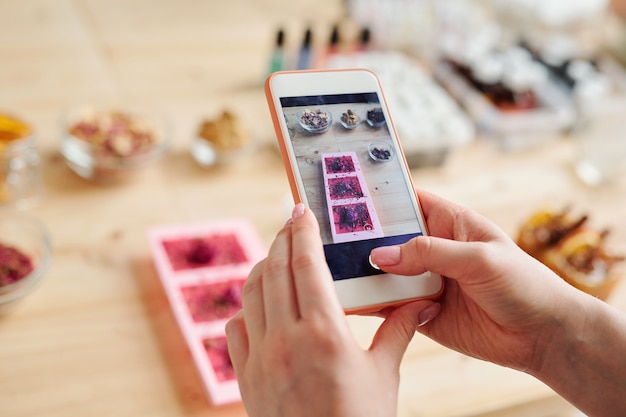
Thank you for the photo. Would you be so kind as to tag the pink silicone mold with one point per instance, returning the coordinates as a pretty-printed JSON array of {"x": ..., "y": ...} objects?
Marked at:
[
  {"x": 350, "y": 208},
  {"x": 202, "y": 267}
]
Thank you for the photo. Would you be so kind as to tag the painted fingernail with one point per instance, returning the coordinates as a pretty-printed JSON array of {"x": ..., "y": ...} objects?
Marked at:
[
  {"x": 386, "y": 255},
  {"x": 298, "y": 211},
  {"x": 428, "y": 314}
]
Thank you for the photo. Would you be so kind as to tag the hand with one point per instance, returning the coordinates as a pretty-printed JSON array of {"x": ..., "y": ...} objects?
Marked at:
[
  {"x": 499, "y": 303},
  {"x": 291, "y": 346}
]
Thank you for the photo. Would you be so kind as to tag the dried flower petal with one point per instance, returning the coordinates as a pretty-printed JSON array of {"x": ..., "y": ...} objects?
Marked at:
[{"x": 14, "y": 265}]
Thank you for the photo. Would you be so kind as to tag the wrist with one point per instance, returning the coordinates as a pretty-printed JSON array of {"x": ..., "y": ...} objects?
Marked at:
[
  {"x": 559, "y": 340},
  {"x": 580, "y": 355}
]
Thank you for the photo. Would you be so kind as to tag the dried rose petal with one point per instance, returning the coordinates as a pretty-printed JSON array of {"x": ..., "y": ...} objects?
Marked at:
[
  {"x": 352, "y": 218},
  {"x": 339, "y": 164},
  {"x": 343, "y": 188},
  {"x": 315, "y": 119},
  {"x": 14, "y": 265},
  {"x": 115, "y": 133}
]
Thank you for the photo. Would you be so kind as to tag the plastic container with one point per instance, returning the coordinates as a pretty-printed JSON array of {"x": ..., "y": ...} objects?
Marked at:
[
  {"x": 429, "y": 122},
  {"x": 512, "y": 129}
]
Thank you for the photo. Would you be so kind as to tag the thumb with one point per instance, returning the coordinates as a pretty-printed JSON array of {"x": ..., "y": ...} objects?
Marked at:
[
  {"x": 450, "y": 258},
  {"x": 395, "y": 333}
]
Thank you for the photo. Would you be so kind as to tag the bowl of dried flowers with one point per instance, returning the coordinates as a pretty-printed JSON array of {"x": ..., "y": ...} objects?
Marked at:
[
  {"x": 105, "y": 144},
  {"x": 25, "y": 255}
]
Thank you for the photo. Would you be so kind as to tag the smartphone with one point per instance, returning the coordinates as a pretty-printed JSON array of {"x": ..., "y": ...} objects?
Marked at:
[{"x": 344, "y": 161}]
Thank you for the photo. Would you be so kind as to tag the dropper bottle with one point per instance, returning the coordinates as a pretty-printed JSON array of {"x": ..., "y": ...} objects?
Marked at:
[
  {"x": 333, "y": 48},
  {"x": 277, "y": 62},
  {"x": 364, "y": 40},
  {"x": 333, "y": 43},
  {"x": 304, "y": 57}
]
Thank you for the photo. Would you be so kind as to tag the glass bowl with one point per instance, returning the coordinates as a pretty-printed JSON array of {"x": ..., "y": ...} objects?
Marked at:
[
  {"x": 223, "y": 140},
  {"x": 343, "y": 120},
  {"x": 375, "y": 117},
  {"x": 206, "y": 154},
  {"x": 108, "y": 144},
  {"x": 21, "y": 236},
  {"x": 315, "y": 121},
  {"x": 380, "y": 151}
]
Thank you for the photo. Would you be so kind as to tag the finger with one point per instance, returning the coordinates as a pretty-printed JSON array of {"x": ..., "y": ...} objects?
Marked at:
[
  {"x": 442, "y": 256},
  {"x": 452, "y": 221},
  {"x": 278, "y": 288},
  {"x": 434, "y": 205},
  {"x": 238, "y": 347},
  {"x": 396, "y": 332},
  {"x": 441, "y": 216},
  {"x": 427, "y": 201},
  {"x": 314, "y": 286},
  {"x": 253, "y": 306},
  {"x": 430, "y": 202}
]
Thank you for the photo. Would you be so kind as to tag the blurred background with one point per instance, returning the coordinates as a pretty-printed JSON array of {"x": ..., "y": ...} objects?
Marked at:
[{"x": 512, "y": 108}]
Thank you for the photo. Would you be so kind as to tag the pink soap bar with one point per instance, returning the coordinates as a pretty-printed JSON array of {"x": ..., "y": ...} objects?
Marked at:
[{"x": 202, "y": 267}]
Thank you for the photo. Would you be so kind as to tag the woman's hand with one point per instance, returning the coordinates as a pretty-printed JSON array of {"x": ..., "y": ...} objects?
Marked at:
[
  {"x": 291, "y": 347},
  {"x": 499, "y": 304},
  {"x": 503, "y": 306}
]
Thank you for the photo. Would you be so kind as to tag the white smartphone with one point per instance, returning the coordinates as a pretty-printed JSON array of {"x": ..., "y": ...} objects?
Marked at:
[{"x": 344, "y": 161}]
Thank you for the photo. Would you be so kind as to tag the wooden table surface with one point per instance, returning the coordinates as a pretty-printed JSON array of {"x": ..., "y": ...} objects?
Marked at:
[{"x": 97, "y": 338}]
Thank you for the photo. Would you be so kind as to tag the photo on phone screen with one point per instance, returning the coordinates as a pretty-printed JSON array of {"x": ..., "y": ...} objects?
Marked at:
[{"x": 353, "y": 176}]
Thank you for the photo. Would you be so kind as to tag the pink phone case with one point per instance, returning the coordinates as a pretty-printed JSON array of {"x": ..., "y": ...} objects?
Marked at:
[{"x": 202, "y": 267}]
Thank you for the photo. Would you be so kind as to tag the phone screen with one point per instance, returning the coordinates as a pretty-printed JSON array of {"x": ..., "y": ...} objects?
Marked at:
[{"x": 353, "y": 175}]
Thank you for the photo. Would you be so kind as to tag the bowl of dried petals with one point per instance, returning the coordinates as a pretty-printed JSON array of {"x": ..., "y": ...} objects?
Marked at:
[
  {"x": 25, "y": 255},
  {"x": 105, "y": 144}
]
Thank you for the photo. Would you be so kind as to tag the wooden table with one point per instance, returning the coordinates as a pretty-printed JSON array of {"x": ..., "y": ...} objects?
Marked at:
[{"x": 97, "y": 338}]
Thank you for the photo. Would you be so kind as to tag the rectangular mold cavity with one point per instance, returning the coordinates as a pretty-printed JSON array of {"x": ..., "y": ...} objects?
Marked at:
[
  {"x": 214, "y": 301},
  {"x": 204, "y": 251},
  {"x": 344, "y": 188},
  {"x": 202, "y": 267}
]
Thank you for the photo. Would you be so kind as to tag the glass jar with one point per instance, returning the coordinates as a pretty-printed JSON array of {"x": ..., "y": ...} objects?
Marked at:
[{"x": 20, "y": 179}]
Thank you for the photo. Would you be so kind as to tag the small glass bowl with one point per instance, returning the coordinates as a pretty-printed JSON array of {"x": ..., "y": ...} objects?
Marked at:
[
  {"x": 373, "y": 123},
  {"x": 380, "y": 151},
  {"x": 349, "y": 126},
  {"x": 206, "y": 154},
  {"x": 222, "y": 140},
  {"x": 96, "y": 161},
  {"x": 29, "y": 236},
  {"x": 315, "y": 129}
]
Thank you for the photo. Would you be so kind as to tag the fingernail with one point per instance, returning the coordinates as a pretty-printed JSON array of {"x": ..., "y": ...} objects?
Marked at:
[
  {"x": 386, "y": 255},
  {"x": 428, "y": 314},
  {"x": 297, "y": 211}
]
